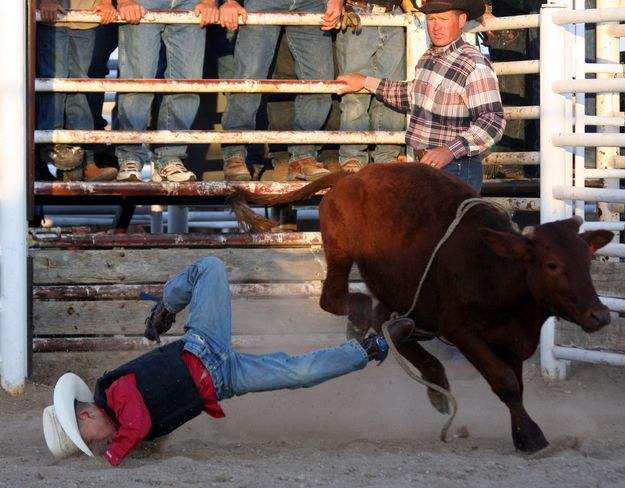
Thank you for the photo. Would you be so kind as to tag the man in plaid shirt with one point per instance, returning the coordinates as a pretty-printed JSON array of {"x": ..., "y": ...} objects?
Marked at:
[{"x": 454, "y": 102}]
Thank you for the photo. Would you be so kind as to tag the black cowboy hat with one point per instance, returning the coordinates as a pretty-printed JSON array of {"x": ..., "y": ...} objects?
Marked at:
[{"x": 473, "y": 8}]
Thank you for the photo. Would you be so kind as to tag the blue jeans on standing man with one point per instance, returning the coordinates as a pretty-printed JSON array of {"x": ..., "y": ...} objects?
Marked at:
[
  {"x": 63, "y": 53},
  {"x": 254, "y": 53},
  {"x": 468, "y": 170},
  {"x": 203, "y": 286},
  {"x": 139, "y": 47},
  {"x": 377, "y": 52}
]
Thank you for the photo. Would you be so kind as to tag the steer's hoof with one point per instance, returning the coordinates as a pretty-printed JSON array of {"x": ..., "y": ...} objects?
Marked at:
[
  {"x": 530, "y": 443},
  {"x": 567, "y": 443},
  {"x": 439, "y": 401}
]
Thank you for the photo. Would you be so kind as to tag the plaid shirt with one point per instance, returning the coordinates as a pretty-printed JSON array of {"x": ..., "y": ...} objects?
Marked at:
[{"x": 454, "y": 100}]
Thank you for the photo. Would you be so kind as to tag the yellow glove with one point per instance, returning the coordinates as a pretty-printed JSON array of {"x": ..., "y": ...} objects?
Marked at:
[
  {"x": 350, "y": 19},
  {"x": 408, "y": 6}
]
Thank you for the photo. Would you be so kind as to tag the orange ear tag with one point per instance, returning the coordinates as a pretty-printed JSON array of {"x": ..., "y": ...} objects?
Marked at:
[{"x": 592, "y": 249}]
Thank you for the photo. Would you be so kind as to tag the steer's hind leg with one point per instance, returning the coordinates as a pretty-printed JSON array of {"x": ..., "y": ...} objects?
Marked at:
[
  {"x": 431, "y": 370},
  {"x": 336, "y": 298}
]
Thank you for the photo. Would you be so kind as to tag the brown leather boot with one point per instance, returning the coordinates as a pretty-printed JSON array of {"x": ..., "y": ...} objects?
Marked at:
[
  {"x": 92, "y": 172},
  {"x": 308, "y": 169},
  {"x": 235, "y": 169},
  {"x": 351, "y": 166},
  {"x": 158, "y": 322}
]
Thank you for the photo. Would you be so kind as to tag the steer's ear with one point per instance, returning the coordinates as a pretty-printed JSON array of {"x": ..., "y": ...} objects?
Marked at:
[
  {"x": 596, "y": 239},
  {"x": 507, "y": 245}
]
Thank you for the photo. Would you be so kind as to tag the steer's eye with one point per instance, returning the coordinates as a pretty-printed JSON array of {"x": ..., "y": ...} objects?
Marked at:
[{"x": 552, "y": 266}]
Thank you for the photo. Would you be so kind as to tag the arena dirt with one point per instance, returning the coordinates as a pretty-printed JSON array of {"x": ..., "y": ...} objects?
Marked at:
[{"x": 372, "y": 428}]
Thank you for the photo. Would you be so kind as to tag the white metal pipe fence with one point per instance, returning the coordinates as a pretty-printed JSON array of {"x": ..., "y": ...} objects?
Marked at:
[
  {"x": 563, "y": 139},
  {"x": 553, "y": 109},
  {"x": 13, "y": 219}
]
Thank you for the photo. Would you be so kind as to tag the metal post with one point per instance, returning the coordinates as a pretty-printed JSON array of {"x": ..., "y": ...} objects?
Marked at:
[
  {"x": 416, "y": 45},
  {"x": 553, "y": 159},
  {"x": 607, "y": 105},
  {"x": 13, "y": 223},
  {"x": 177, "y": 219},
  {"x": 156, "y": 219}
]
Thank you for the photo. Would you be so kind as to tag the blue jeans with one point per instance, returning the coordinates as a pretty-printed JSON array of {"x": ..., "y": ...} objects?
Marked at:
[
  {"x": 204, "y": 287},
  {"x": 139, "y": 47},
  {"x": 378, "y": 52},
  {"x": 63, "y": 53},
  {"x": 468, "y": 170},
  {"x": 254, "y": 53}
]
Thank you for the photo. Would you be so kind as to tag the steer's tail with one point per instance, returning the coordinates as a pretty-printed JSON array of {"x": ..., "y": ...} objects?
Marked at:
[{"x": 253, "y": 222}]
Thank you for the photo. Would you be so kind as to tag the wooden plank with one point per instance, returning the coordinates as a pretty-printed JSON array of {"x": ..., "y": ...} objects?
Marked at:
[
  {"x": 132, "y": 292},
  {"x": 244, "y": 342},
  {"x": 158, "y": 265},
  {"x": 297, "y": 315},
  {"x": 49, "y": 239},
  {"x": 610, "y": 338}
]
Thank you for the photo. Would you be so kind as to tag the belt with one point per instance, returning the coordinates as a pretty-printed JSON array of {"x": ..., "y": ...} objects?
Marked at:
[{"x": 376, "y": 9}]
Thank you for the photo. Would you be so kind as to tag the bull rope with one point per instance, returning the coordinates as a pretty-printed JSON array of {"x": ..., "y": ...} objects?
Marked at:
[{"x": 463, "y": 208}]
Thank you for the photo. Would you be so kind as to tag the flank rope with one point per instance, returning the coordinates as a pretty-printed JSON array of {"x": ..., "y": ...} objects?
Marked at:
[{"x": 463, "y": 208}]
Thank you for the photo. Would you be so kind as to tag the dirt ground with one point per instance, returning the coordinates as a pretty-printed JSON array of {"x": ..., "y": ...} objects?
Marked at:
[{"x": 372, "y": 428}]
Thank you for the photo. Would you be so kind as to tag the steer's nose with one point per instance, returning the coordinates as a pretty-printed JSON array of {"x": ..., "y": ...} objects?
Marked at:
[{"x": 598, "y": 318}]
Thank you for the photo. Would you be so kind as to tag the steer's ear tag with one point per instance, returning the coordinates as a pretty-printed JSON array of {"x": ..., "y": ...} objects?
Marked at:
[{"x": 592, "y": 249}]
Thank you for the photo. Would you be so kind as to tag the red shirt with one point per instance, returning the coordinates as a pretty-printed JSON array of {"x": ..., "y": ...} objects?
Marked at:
[{"x": 133, "y": 416}]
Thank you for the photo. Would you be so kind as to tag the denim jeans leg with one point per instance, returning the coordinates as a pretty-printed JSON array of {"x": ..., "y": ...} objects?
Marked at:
[
  {"x": 468, "y": 170},
  {"x": 139, "y": 47},
  {"x": 77, "y": 112},
  {"x": 253, "y": 53},
  {"x": 375, "y": 51},
  {"x": 52, "y": 62},
  {"x": 184, "y": 47},
  {"x": 389, "y": 62},
  {"x": 312, "y": 52},
  {"x": 265, "y": 372},
  {"x": 203, "y": 286}
]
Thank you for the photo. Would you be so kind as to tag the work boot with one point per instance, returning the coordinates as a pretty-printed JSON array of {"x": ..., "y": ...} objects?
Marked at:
[
  {"x": 159, "y": 322},
  {"x": 351, "y": 166},
  {"x": 308, "y": 169},
  {"x": 235, "y": 169},
  {"x": 92, "y": 172},
  {"x": 376, "y": 346}
]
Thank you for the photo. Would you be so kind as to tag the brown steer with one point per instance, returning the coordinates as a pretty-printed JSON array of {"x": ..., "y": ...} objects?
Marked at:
[{"x": 489, "y": 290}]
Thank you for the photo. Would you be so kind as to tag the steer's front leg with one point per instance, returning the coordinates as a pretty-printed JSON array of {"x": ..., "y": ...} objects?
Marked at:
[{"x": 502, "y": 378}]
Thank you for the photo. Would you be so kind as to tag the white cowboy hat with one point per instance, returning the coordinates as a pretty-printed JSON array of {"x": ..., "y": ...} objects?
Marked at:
[{"x": 60, "y": 427}]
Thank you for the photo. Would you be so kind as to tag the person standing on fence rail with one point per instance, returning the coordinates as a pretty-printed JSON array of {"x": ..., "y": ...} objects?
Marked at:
[
  {"x": 157, "y": 392},
  {"x": 254, "y": 53},
  {"x": 455, "y": 107},
  {"x": 139, "y": 47},
  {"x": 65, "y": 52},
  {"x": 373, "y": 51}
]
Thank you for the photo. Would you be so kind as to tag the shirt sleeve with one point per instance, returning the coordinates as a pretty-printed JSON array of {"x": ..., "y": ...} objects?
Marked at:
[
  {"x": 482, "y": 98},
  {"x": 133, "y": 416},
  {"x": 395, "y": 94}
]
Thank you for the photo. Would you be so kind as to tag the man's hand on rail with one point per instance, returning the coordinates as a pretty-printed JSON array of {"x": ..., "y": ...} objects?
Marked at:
[
  {"x": 332, "y": 14},
  {"x": 106, "y": 11},
  {"x": 130, "y": 11},
  {"x": 49, "y": 9},
  {"x": 438, "y": 157},
  {"x": 229, "y": 15},
  {"x": 207, "y": 11},
  {"x": 354, "y": 82}
]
